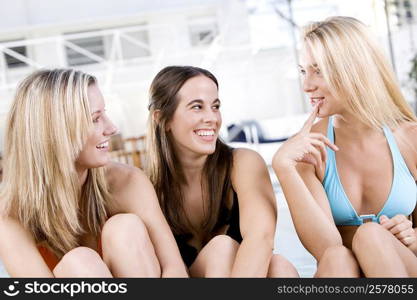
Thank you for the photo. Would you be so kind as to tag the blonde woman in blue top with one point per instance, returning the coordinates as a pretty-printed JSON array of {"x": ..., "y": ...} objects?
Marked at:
[{"x": 349, "y": 179}]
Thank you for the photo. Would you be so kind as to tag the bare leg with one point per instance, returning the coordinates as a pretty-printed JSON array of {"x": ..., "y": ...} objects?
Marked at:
[
  {"x": 381, "y": 254},
  {"x": 81, "y": 262},
  {"x": 216, "y": 258},
  {"x": 337, "y": 261},
  {"x": 281, "y": 267},
  {"x": 127, "y": 248}
]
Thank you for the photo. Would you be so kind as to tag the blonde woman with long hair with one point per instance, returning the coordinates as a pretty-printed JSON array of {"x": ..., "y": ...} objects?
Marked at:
[
  {"x": 66, "y": 210},
  {"x": 349, "y": 179}
]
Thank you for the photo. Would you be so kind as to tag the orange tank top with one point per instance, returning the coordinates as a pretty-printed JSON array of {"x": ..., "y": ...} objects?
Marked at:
[{"x": 52, "y": 260}]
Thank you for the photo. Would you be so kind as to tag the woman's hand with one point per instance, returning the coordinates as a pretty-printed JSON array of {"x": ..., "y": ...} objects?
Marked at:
[
  {"x": 401, "y": 228},
  {"x": 305, "y": 147}
]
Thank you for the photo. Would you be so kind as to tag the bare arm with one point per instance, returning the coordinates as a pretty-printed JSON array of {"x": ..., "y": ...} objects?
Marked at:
[
  {"x": 309, "y": 208},
  {"x": 295, "y": 164},
  {"x": 18, "y": 251},
  {"x": 413, "y": 247},
  {"x": 412, "y": 137},
  {"x": 406, "y": 136},
  {"x": 257, "y": 211},
  {"x": 138, "y": 196}
]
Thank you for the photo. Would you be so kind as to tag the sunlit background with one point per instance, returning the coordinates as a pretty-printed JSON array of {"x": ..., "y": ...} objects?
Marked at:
[{"x": 250, "y": 45}]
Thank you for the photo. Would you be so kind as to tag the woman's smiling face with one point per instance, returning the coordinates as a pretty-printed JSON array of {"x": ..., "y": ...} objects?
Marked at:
[
  {"x": 196, "y": 122},
  {"x": 95, "y": 152},
  {"x": 316, "y": 87}
]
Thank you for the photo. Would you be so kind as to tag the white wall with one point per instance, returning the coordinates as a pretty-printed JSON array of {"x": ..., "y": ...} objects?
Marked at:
[
  {"x": 253, "y": 57},
  {"x": 254, "y": 84}
]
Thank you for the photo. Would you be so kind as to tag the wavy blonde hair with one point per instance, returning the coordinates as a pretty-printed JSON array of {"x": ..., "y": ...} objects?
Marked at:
[
  {"x": 355, "y": 69},
  {"x": 47, "y": 127}
]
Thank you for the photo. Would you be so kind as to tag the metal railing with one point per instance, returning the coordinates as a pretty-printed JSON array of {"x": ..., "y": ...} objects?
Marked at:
[{"x": 136, "y": 39}]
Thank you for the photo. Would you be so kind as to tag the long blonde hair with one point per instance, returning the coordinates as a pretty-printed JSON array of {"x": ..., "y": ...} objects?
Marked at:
[
  {"x": 47, "y": 127},
  {"x": 355, "y": 69}
]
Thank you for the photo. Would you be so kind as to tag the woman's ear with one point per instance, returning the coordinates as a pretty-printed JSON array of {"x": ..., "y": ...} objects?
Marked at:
[{"x": 155, "y": 115}]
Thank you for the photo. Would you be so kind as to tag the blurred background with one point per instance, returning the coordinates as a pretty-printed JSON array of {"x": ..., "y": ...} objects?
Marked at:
[{"x": 250, "y": 45}]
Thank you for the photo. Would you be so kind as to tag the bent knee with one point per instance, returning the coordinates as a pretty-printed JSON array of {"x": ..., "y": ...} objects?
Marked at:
[
  {"x": 335, "y": 253},
  {"x": 223, "y": 241},
  {"x": 79, "y": 258},
  {"x": 369, "y": 229},
  {"x": 80, "y": 254},
  {"x": 216, "y": 258},
  {"x": 121, "y": 221},
  {"x": 124, "y": 227},
  {"x": 223, "y": 245},
  {"x": 281, "y": 267},
  {"x": 279, "y": 261},
  {"x": 366, "y": 235}
]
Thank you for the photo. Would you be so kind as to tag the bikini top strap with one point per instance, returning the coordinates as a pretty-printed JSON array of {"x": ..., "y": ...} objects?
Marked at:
[{"x": 391, "y": 140}]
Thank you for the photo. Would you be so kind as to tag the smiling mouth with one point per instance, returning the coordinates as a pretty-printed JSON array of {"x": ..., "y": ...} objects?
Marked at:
[
  {"x": 205, "y": 132},
  {"x": 206, "y": 135},
  {"x": 315, "y": 100},
  {"x": 103, "y": 146}
]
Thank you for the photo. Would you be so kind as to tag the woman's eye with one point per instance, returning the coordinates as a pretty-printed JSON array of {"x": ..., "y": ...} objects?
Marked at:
[
  {"x": 96, "y": 120},
  {"x": 302, "y": 72},
  {"x": 216, "y": 107},
  {"x": 196, "y": 107}
]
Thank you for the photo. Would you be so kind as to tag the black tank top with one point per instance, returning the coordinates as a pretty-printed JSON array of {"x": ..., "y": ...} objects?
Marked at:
[{"x": 226, "y": 217}]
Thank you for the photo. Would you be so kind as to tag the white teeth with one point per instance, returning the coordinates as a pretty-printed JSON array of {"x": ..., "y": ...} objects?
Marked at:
[
  {"x": 205, "y": 132},
  {"x": 103, "y": 145}
]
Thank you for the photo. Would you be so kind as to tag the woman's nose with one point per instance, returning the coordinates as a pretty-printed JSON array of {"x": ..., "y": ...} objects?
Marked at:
[
  {"x": 309, "y": 85},
  {"x": 211, "y": 116},
  {"x": 110, "y": 128}
]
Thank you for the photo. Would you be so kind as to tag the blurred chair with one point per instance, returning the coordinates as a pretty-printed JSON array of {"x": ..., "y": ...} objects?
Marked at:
[
  {"x": 130, "y": 151},
  {"x": 250, "y": 131},
  {"x": 266, "y": 131}
]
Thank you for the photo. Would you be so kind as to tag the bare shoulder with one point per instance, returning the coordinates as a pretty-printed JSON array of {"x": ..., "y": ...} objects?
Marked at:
[
  {"x": 6, "y": 221},
  {"x": 247, "y": 157},
  {"x": 131, "y": 189},
  {"x": 406, "y": 137},
  {"x": 248, "y": 167},
  {"x": 11, "y": 229},
  {"x": 320, "y": 126},
  {"x": 120, "y": 176},
  {"x": 407, "y": 129},
  {"x": 250, "y": 176}
]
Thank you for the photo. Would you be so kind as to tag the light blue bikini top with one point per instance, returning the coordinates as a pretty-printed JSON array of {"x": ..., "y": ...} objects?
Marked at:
[{"x": 402, "y": 197}]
